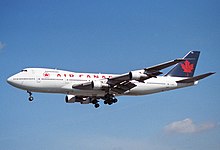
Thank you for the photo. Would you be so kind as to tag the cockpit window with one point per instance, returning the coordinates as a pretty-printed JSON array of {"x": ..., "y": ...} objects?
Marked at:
[{"x": 23, "y": 70}]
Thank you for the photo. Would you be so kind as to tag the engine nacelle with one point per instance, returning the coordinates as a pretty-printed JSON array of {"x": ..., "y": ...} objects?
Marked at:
[
  {"x": 97, "y": 85},
  {"x": 134, "y": 75},
  {"x": 71, "y": 99}
]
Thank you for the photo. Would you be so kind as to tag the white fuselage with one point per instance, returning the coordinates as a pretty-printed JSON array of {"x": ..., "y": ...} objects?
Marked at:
[{"x": 60, "y": 81}]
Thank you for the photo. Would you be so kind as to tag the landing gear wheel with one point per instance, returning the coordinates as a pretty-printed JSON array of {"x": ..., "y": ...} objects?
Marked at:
[
  {"x": 97, "y": 105},
  {"x": 115, "y": 100},
  {"x": 110, "y": 103},
  {"x": 105, "y": 102},
  {"x": 110, "y": 99},
  {"x": 31, "y": 98}
]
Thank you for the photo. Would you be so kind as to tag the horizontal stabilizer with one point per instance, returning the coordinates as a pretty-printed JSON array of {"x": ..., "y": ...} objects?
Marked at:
[{"x": 196, "y": 78}]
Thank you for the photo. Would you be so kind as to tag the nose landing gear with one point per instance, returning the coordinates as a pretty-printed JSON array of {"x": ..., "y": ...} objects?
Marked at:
[{"x": 31, "y": 98}]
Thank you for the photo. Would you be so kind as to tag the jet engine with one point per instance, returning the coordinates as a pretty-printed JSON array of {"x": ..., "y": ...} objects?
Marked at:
[
  {"x": 134, "y": 75},
  {"x": 71, "y": 99},
  {"x": 97, "y": 85}
]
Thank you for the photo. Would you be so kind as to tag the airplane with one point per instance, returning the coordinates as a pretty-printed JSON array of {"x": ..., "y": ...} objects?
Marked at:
[{"x": 86, "y": 88}]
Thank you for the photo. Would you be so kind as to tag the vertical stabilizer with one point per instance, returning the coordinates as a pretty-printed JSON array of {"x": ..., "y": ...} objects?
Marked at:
[{"x": 186, "y": 68}]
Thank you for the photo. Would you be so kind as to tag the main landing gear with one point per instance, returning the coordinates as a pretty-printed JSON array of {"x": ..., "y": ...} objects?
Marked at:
[
  {"x": 110, "y": 99},
  {"x": 31, "y": 98}
]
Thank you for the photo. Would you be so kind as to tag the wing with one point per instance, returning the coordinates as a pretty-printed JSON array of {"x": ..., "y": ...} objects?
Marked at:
[
  {"x": 122, "y": 83},
  {"x": 140, "y": 75}
]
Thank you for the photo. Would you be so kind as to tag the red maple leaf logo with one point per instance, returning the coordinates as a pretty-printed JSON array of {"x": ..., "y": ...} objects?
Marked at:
[
  {"x": 46, "y": 74},
  {"x": 187, "y": 67}
]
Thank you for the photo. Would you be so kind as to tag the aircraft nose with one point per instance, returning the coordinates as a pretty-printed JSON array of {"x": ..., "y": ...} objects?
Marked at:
[
  {"x": 15, "y": 81},
  {"x": 10, "y": 80}
]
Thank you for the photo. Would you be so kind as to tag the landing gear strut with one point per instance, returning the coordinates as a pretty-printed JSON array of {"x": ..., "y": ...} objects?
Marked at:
[{"x": 31, "y": 98}]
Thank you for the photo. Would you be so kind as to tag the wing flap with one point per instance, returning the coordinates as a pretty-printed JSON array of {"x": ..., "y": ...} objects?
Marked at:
[
  {"x": 121, "y": 88},
  {"x": 126, "y": 86},
  {"x": 117, "y": 90}
]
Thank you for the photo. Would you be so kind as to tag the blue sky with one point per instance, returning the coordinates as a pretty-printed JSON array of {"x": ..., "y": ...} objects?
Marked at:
[{"x": 109, "y": 37}]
